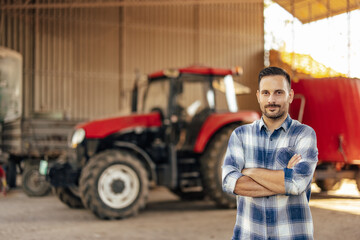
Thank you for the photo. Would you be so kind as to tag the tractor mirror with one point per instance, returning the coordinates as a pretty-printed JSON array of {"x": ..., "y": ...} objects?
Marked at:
[
  {"x": 135, "y": 91},
  {"x": 219, "y": 84},
  {"x": 134, "y": 97}
]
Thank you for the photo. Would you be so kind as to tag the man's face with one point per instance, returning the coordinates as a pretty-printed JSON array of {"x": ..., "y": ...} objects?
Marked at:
[{"x": 274, "y": 96}]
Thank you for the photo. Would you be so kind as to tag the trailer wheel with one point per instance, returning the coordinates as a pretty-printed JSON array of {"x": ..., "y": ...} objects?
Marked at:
[
  {"x": 358, "y": 183},
  {"x": 33, "y": 184},
  {"x": 114, "y": 184},
  {"x": 328, "y": 184},
  {"x": 211, "y": 162},
  {"x": 69, "y": 196}
]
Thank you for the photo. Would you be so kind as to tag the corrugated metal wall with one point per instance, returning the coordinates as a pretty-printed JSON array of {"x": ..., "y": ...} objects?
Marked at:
[
  {"x": 81, "y": 61},
  {"x": 71, "y": 59},
  {"x": 219, "y": 35},
  {"x": 16, "y": 32},
  {"x": 233, "y": 35},
  {"x": 77, "y": 61}
]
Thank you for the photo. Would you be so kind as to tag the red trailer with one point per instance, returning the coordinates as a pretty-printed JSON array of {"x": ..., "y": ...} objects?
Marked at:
[{"x": 330, "y": 106}]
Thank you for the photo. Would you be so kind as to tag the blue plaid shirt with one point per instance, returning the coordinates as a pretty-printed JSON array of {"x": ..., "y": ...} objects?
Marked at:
[{"x": 283, "y": 216}]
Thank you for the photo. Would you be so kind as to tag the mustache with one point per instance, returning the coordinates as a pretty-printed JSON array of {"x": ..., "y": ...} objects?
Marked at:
[{"x": 272, "y": 105}]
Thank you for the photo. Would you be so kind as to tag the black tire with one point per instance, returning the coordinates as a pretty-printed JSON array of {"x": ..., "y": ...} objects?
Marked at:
[
  {"x": 68, "y": 197},
  {"x": 33, "y": 184},
  {"x": 358, "y": 182},
  {"x": 114, "y": 185},
  {"x": 11, "y": 174},
  {"x": 328, "y": 184},
  {"x": 211, "y": 162}
]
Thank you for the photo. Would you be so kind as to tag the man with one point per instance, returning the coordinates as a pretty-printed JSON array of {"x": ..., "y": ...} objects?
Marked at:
[{"x": 269, "y": 165}]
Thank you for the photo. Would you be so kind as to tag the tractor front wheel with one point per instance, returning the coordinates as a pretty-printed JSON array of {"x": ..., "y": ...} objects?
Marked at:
[
  {"x": 114, "y": 185},
  {"x": 211, "y": 163},
  {"x": 69, "y": 196}
]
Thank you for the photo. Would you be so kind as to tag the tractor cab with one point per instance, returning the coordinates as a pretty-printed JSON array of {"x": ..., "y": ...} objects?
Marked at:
[{"x": 185, "y": 98}]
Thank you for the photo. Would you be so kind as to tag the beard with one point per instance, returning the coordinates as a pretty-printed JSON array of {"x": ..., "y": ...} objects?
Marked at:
[{"x": 273, "y": 115}]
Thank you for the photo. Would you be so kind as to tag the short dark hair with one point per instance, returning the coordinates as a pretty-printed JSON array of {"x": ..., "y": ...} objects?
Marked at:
[{"x": 272, "y": 71}]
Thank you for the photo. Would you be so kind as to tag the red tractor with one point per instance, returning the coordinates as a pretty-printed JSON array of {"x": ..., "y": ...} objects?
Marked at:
[{"x": 178, "y": 140}]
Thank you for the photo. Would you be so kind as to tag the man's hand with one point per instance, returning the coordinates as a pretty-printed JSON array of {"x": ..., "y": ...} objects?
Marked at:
[{"x": 294, "y": 160}]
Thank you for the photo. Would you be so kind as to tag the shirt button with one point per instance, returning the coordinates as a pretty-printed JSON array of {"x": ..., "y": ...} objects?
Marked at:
[{"x": 270, "y": 139}]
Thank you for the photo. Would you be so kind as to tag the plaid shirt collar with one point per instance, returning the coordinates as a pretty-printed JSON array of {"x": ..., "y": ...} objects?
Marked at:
[{"x": 284, "y": 126}]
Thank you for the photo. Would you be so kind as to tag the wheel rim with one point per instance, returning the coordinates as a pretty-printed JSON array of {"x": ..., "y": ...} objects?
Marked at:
[{"x": 118, "y": 186}]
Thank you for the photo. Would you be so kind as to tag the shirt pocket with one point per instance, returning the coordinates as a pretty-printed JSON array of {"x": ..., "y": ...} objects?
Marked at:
[{"x": 283, "y": 156}]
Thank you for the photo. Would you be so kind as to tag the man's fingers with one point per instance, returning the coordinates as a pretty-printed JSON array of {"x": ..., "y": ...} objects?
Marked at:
[{"x": 294, "y": 160}]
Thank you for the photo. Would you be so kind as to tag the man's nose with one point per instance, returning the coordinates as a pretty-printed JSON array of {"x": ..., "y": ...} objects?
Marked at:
[{"x": 271, "y": 98}]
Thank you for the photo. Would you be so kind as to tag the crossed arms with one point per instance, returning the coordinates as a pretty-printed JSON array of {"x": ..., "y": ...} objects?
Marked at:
[{"x": 259, "y": 182}]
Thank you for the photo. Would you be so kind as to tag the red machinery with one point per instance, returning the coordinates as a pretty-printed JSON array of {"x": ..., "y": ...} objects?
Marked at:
[
  {"x": 178, "y": 140},
  {"x": 329, "y": 106}
]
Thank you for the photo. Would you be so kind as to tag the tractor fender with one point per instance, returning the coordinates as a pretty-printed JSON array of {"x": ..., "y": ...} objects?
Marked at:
[
  {"x": 217, "y": 121},
  {"x": 145, "y": 158},
  {"x": 102, "y": 128}
]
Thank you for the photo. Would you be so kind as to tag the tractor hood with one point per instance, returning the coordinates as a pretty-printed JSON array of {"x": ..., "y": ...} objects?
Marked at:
[{"x": 105, "y": 127}]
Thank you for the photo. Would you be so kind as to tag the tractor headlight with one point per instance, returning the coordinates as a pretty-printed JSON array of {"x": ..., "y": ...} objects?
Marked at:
[{"x": 78, "y": 137}]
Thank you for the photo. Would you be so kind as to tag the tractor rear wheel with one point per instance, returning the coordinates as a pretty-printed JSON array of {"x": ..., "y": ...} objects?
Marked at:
[
  {"x": 69, "y": 196},
  {"x": 114, "y": 184},
  {"x": 211, "y": 162}
]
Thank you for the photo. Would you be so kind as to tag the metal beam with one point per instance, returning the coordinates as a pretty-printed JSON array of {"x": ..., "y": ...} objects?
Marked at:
[{"x": 100, "y": 4}]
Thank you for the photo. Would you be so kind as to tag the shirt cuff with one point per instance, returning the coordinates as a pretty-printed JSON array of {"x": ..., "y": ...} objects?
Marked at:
[
  {"x": 288, "y": 180},
  {"x": 229, "y": 184}
]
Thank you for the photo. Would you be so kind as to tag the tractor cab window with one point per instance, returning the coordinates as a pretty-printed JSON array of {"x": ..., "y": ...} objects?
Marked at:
[
  {"x": 156, "y": 97},
  {"x": 196, "y": 96},
  {"x": 194, "y": 102}
]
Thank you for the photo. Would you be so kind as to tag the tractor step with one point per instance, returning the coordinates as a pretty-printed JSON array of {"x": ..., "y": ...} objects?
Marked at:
[{"x": 189, "y": 173}]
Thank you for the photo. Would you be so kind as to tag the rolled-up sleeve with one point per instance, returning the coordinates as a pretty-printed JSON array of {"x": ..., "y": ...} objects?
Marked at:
[
  {"x": 233, "y": 162},
  {"x": 298, "y": 178}
]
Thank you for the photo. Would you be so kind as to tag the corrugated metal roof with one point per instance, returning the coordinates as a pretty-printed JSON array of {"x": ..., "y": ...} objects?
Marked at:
[{"x": 312, "y": 10}]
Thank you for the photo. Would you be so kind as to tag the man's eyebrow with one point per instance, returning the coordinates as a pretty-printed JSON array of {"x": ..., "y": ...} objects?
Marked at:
[{"x": 276, "y": 90}]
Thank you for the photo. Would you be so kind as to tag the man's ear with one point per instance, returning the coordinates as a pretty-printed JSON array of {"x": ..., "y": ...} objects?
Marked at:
[
  {"x": 291, "y": 96},
  {"x": 258, "y": 96}
]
